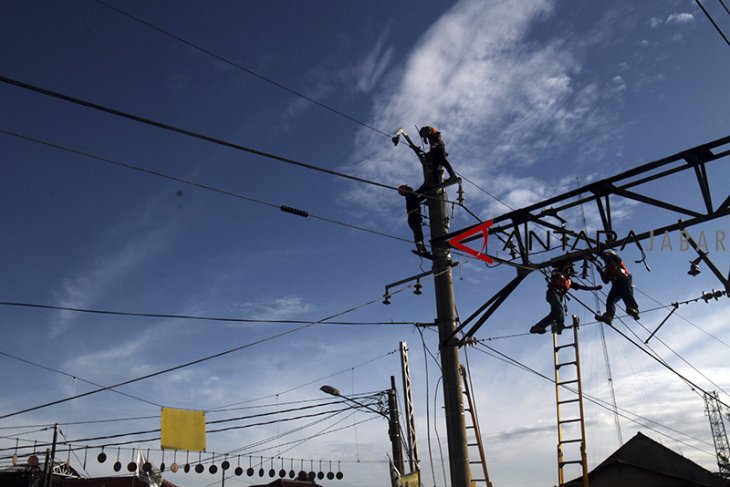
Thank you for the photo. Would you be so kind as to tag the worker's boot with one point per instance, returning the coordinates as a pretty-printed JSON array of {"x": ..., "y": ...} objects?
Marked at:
[{"x": 604, "y": 318}]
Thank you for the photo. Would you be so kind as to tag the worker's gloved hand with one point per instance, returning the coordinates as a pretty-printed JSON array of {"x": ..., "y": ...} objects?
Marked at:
[{"x": 597, "y": 288}]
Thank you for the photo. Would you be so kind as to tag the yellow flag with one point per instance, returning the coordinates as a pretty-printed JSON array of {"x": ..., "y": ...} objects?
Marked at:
[
  {"x": 182, "y": 429},
  {"x": 411, "y": 480}
]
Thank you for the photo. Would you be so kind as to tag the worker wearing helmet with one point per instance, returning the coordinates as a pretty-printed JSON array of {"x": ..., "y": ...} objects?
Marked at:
[
  {"x": 435, "y": 159},
  {"x": 415, "y": 219},
  {"x": 559, "y": 283},
  {"x": 622, "y": 287}
]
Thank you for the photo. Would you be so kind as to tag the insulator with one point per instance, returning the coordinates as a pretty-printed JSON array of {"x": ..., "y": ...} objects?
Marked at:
[{"x": 294, "y": 211}]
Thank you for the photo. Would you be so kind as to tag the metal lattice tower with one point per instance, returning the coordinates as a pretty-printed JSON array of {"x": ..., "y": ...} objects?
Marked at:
[
  {"x": 719, "y": 435},
  {"x": 410, "y": 419}
]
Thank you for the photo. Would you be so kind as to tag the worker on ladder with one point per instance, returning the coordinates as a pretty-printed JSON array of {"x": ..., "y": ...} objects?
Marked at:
[
  {"x": 622, "y": 287},
  {"x": 559, "y": 282}
]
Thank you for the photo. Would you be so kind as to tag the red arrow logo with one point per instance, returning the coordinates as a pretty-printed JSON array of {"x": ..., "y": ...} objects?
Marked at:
[{"x": 456, "y": 240}]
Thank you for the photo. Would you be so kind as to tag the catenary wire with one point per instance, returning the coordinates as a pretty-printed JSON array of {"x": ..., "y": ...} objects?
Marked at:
[
  {"x": 193, "y": 183},
  {"x": 44, "y": 367},
  {"x": 191, "y": 317},
  {"x": 514, "y": 362},
  {"x": 651, "y": 354},
  {"x": 240, "y": 67},
  {"x": 722, "y": 2},
  {"x": 195, "y": 362},
  {"x": 186, "y": 132},
  {"x": 218, "y": 430},
  {"x": 271, "y": 81},
  {"x": 712, "y": 21}
]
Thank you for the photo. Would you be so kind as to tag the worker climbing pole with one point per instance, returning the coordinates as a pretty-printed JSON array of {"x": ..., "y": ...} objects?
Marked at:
[{"x": 432, "y": 190}]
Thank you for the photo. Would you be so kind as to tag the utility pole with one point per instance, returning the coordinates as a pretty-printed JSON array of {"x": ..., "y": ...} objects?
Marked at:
[
  {"x": 446, "y": 322},
  {"x": 48, "y": 471},
  {"x": 445, "y": 319},
  {"x": 394, "y": 428}
]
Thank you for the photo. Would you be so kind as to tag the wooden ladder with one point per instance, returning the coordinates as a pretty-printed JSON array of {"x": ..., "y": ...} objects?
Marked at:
[
  {"x": 475, "y": 439},
  {"x": 571, "y": 431}
]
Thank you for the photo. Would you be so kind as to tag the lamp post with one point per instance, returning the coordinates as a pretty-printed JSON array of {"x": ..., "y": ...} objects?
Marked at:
[{"x": 392, "y": 417}]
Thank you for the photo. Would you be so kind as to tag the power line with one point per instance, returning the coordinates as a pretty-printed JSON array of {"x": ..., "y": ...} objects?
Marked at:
[
  {"x": 712, "y": 21},
  {"x": 240, "y": 67},
  {"x": 194, "y": 362},
  {"x": 186, "y": 317},
  {"x": 73, "y": 376},
  {"x": 186, "y": 132},
  {"x": 196, "y": 184},
  {"x": 514, "y": 362}
]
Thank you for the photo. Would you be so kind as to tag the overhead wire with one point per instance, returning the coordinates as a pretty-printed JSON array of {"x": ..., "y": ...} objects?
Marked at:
[
  {"x": 266, "y": 79},
  {"x": 651, "y": 354},
  {"x": 712, "y": 21},
  {"x": 186, "y": 132},
  {"x": 209, "y": 430},
  {"x": 61, "y": 372},
  {"x": 239, "y": 66},
  {"x": 191, "y": 317},
  {"x": 428, "y": 410},
  {"x": 685, "y": 319},
  {"x": 516, "y": 363},
  {"x": 194, "y": 362},
  {"x": 196, "y": 184}
]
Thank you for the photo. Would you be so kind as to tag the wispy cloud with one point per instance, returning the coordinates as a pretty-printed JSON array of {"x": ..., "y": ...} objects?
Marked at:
[
  {"x": 89, "y": 284},
  {"x": 680, "y": 18},
  {"x": 501, "y": 103},
  {"x": 282, "y": 308}
]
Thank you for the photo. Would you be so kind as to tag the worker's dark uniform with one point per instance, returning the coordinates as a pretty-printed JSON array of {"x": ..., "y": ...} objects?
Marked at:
[
  {"x": 558, "y": 285},
  {"x": 435, "y": 159},
  {"x": 415, "y": 219},
  {"x": 622, "y": 287}
]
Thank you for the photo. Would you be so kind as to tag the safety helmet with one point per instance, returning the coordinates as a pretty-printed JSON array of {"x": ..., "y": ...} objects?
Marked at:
[
  {"x": 404, "y": 189},
  {"x": 427, "y": 133}
]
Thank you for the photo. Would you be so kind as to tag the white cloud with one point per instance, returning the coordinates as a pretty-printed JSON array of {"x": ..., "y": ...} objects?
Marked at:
[
  {"x": 277, "y": 308},
  {"x": 680, "y": 18},
  {"x": 371, "y": 69},
  {"x": 655, "y": 22}
]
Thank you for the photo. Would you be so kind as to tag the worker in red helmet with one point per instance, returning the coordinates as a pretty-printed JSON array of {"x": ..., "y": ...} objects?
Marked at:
[
  {"x": 415, "y": 219},
  {"x": 622, "y": 286},
  {"x": 435, "y": 159},
  {"x": 559, "y": 283}
]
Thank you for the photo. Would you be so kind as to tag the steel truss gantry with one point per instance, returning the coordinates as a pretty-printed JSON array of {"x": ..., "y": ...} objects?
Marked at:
[{"x": 515, "y": 230}]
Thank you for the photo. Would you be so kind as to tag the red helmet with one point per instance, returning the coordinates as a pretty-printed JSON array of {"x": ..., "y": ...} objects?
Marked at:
[{"x": 404, "y": 189}]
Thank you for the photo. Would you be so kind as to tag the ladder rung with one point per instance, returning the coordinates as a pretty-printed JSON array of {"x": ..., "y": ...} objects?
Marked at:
[
  {"x": 574, "y": 462},
  {"x": 472, "y": 444},
  {"x": 575, "y": 362},
  {"x": 564, "y": 346},
  {"x": 577, "y": 440},
  {"x": 567, "y": 382},
  {"x": 470, "y": 427},
  {"x": 575, "y": 420},
  {"x": 567, "y": 401}
]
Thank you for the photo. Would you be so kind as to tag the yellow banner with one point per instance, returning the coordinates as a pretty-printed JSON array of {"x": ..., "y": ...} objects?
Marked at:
[
  {"x": 182, "y": 429},
  {"x": 410, "y": 480}
]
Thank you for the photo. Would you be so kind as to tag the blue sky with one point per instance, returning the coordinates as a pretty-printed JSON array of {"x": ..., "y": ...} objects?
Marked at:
[{"x": 533, "y": 98}]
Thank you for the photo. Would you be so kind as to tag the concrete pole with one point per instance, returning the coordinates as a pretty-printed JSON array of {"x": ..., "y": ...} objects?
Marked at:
[{"x": 446, "y": 322}]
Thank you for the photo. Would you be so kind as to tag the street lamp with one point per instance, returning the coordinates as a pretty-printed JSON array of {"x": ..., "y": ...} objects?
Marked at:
[{"x": 392, "y": 417}]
